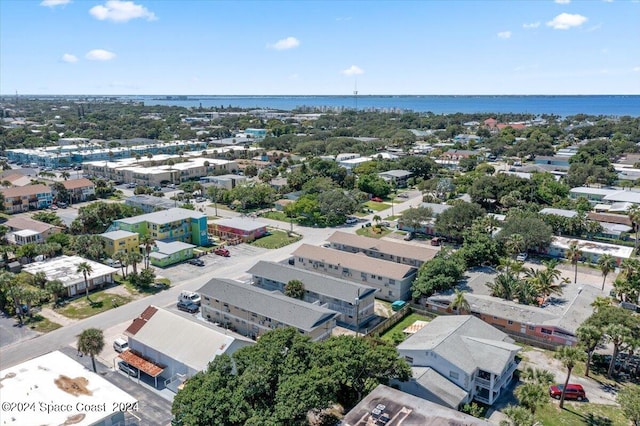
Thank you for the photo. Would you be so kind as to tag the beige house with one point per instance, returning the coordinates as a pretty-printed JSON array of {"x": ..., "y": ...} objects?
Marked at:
[
  {"x": 253, "y": 311},
  {"x": 382, "y": 249},
  {"x": 26, "y": 230},
  {"x": 392, "y": 280},
  {"x": 80, "y": 189}
]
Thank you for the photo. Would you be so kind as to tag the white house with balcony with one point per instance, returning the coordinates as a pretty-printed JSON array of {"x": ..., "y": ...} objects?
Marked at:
[{"x": 473, "y": 357}]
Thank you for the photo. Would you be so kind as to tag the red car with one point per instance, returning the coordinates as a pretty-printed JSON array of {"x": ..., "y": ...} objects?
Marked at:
[
  {"x": 573, "y": 392},
  {"x": 377, "y": 199},
  {"x": 221, "y": 251}
]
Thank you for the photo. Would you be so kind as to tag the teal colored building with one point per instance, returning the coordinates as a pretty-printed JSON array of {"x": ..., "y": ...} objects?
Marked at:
[{"x": 170, "y": 225}]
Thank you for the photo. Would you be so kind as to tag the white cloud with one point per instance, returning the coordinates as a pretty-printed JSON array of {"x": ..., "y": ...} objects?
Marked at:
[
  {"x": 68, "y": 57},
  {"x": 100, "y": 55},
  {"x": 54, "y": 3},
  {"x": 636, "y": 69},
  {"x": 504, "y": 35},
  {"x": 564, "y": 21},
  {"x": 531, "y": 25},
  {"x": 563, "y": 1},
  {"x": 285, "y": 44},
  {"x": 594, "y": 28},
  {"x": 353, "y": 70},
  {"x": 121, "y": 11}
]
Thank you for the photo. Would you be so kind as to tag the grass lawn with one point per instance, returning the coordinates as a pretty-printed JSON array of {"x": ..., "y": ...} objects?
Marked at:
[
  {"x": 163, "y": 284},
  {"x": 368, "y": 231},
  {"x": 377, "y": 206},
  {"x": 394, "y": 217},
  {"x": 581, "y": 413},
  {"x": 80, "y": 308},
  {"x": 406, "y": 322},
  {"x": 276, "y": 216},
  {"x": 276, "y": 240},
  {"x": 41, "y": 324}
]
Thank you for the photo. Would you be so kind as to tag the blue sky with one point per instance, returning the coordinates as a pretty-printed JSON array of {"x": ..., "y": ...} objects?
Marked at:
[{"x": 319, "y": 48}]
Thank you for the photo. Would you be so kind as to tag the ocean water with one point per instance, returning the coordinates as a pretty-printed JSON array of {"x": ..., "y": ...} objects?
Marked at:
[{"x": 609, "y": 105}]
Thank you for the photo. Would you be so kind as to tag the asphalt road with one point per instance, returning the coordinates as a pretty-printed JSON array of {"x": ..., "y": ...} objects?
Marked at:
[{"x": 16, "y": 353}]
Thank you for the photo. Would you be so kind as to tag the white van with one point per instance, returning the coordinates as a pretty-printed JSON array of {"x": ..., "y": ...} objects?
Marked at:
[
  {"x": 120, "y": 345},
  {"x": 189, "y": 296}
]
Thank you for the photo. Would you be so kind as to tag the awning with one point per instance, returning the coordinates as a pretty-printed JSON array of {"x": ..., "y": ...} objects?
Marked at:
[{"x": 141, "y": 363}]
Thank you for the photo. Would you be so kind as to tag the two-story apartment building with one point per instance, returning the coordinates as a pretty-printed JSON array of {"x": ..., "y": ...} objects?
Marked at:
[
  {"x": 80, "y": 189},
  {"x": 354, "y": 302},
  {"x": 392, "y": 280},
  {"x": 253, "y": 311},
  {"x": 174, "y": 224},
  {"x": 120, "y": 242},
  {"x": 24, "y": 198},
  {"x": 407, "y": 254},
  {"x": 468, "y": 352}
]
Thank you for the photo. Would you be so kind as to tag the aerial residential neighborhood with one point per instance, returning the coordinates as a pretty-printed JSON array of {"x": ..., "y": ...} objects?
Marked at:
[{"x": 450, "y": 273}]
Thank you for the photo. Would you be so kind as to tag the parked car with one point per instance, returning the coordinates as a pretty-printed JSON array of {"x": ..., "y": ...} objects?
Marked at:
[
  {"x": 409, "y": 236},
  {"x": 221, "y": 251},
  {"x": 190, "y": 307},
  {"x": 189, "y": 297},
  {"x": 120, "y": 345},
  {"x": 403, "y": 195},
  {"x": 522, "y": 257},
  {"x": 436, "y": 241},
  {"x": 126, "y": 368},
  {"x": 196, "y": 262},
  {"x": 574, "y": 391},
  {"x": 53, "y": 207},
  {"x": 377, "y": 199},
  {"x": 351, "y": 220},
  {"x": 200, "y": 200},
  {"x": 62, "y": 205}
]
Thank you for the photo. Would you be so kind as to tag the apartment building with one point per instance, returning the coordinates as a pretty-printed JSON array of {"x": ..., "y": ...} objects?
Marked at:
[
  {"x": 253, "y": 311},
  {"x": 80, "y": 189},
  {"x": 354, "y": 302},
  {"x": 174, "y": 224},
  {"x": 469, "y": 353},
  {"x": 392, "y": 280},
  {"x": 407, "y": 254},
  {"x": 120, "y": 242},
  {"x": 24, "y": 198}
]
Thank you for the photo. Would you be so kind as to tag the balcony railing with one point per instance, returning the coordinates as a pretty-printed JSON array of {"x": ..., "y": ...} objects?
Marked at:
[
  {"x": 481, "y": 399},
  {"x": 483, "y": 382}
]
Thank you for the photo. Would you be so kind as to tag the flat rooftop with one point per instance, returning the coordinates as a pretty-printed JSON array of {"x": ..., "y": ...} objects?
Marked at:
[
  {"x": 593, "y": 247},
  {"x": 64, "y": 268},
  {"x": 55, "y": 378}
]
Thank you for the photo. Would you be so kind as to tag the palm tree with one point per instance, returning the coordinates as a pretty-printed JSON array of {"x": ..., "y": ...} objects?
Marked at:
[
  {"x": 589, "y": 337},
  {"x": 634, "y": 215},
  {"x": 147, "y": 241},
  {"x": 573, "y": 254},
  {"x": 504, "y": 286},
  {"x": 569, "y": 356},
  {"x": 133, "y": 259},
  {"x": 294, "y": 289},
  {"x": 531, "y": 395},
  {"x": 91, "y": 342},
  {"x": 616, "y": 334},
  {"x": 86, "y": 270},
  {"x": 122, "y": 258},
  {"x": 459, "y": 303},
  {"x": 519, "y": 416},
  {"x": 65, "y": 175},
  {"x": 537, "y": 375},
  {"x": 377, "y": 219},
  {"x": 514, "y": 244},
  {"x": 607, "y": 264},
  {"x": 56, "y": 289}
]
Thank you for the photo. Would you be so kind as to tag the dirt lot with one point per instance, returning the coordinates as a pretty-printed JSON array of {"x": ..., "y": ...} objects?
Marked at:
[{"x": 597, "y": 393}]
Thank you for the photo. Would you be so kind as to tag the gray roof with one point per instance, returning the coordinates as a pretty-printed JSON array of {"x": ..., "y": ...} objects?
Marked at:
[
  {"x": 357, "y": 261},
  {"x": 396, "y": 173},
  {"x": 165, "y": 249},
  {"x": 313, "y": 281},
  {"x": 383, "y": 246},
  {"x": 242, "y": 224},
  {"x": 442, "y": 390},
  {"x": 115, "y": 235},
  {"x": 271, "y": 304},
  {"x": 411, "y": 409},
  {"x": 465, "y": 341},
  {"x": 165, "y": 216},
  {"x": 192, "y": 343},
  {"x": 436, "y": 208},
  {"x": 150, "y": 200}
]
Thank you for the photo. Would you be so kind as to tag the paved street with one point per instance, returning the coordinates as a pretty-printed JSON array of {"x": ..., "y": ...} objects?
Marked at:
[{"x": 13, "y": 332}]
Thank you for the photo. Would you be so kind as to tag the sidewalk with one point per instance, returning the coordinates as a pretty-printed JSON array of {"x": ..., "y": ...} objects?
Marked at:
[{"x": 52, "y": 315}]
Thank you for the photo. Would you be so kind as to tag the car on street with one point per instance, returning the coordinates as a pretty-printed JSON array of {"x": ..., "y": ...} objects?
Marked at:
[
  {"x": 403, "y": 195},
  {"x": 522, "y": 257},
  {"x": 377, "y": 199},
  {"x": 196, "y": 262},
  {"x": 62, "y": 205},
  {"x": 190, "y": 307},
  {"x": 189, "y": 297},
  {"x": 221, "y": 251},
  {"x": 200, "y": 200},
  {"x": 574, "y": 391},
  {"x": 127, "y": 369},
  {"x": 351, "y": 220}
]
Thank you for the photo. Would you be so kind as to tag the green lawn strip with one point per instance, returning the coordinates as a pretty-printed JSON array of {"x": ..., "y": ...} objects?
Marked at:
[
  {"x": 81, "y": 308},
  {"x": 367, "y": 231},
  {"x": 406, "y": 322},
  {"x": 276, "y": 216},
  {"x": 41, "y": 324},
  {"x": 134, "y": 290},
  {"x": 580, "y": 414},
  {"x": 276, "y": 240},
  {"x": 377, "y": 206}
]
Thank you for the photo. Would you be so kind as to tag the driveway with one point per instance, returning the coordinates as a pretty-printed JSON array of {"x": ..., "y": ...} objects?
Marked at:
[{"x": 12, "y": 332}]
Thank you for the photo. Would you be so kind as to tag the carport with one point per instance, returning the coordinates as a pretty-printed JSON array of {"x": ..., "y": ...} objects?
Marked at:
[{"x": 142, "y": 364}]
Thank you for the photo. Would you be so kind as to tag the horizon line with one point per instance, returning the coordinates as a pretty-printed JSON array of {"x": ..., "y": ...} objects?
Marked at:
[{"x": 314, "y": 95}]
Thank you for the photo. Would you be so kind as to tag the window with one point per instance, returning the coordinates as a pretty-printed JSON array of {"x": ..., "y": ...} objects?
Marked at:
[
  {"x": 531, "y": 327},
  {"x": 546, "y": 331},
  {"x": 409, "y": 359},
  {"x": 453, "y": 375},
  {"x": 392, "y": 282},
  {"x": 509, "y": 322}
]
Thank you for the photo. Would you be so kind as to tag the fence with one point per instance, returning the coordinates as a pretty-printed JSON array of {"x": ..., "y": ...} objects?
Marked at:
[{"x": 391, "y": 321}]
